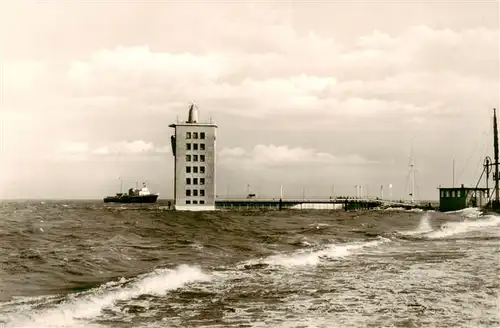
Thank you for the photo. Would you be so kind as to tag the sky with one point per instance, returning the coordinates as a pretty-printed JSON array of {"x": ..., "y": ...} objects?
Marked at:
[{"x": 316, "y": 96}]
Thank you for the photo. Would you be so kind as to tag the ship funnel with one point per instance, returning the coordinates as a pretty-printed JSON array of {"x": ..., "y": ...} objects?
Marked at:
[{"x": 193, "y": 113}]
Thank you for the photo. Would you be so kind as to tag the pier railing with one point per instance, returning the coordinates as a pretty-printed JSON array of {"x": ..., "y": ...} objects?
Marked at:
[{"x": 310, "y": 199}]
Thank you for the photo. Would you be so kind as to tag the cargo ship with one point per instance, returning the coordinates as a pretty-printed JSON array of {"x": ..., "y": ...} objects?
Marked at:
[{"x": 133, "y": 196}]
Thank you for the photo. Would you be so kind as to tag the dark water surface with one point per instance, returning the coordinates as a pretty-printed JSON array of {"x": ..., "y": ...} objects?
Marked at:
[{"x": 84, "y": 264}]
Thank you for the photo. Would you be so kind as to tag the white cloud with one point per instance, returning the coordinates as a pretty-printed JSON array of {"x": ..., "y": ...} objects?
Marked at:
[
  {"x": 272, "y": 156},
  {"x": 69, "y": 151},
  {"x": 383, "y": 74},
  {"x": 125, "y": 69},
  {"x": 124, "y": 147},
  {"x": 117, "y": 148},
  {"x": 421, "y": 48},
  {"x": 232, "y": 152}
]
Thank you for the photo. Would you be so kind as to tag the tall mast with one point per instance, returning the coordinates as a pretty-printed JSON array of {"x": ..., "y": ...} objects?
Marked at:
[
  {"x": 412, "y": 175},
  {"x": 495, "y": 147},
  {"x": 453, "y": 173}
]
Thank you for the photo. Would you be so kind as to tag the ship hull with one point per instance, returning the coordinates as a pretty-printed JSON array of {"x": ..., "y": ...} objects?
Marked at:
[{"x": 126, "y": 199}]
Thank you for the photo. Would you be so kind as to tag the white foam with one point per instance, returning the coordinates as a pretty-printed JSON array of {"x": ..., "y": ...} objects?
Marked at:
[
  {"x": 470, "y": 212},
  {"x": 78, "y": 309},
  {"x": 423, "y": 227},
  {"x": 319, "y": 225},
  {"x": 402, "y": 209},
  {"x": 454, "y": 228},
  {"x": 312, "y": 258},
  {"x": 317, "y": 206}
]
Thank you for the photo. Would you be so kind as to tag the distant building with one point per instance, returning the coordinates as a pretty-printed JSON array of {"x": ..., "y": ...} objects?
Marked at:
[
  {"x": 193, "y": 146},
  {"x": 455, "y": 199}
]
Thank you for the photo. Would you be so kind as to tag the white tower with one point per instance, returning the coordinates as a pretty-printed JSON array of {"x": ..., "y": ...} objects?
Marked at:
[{"x": 193, "y": 146}]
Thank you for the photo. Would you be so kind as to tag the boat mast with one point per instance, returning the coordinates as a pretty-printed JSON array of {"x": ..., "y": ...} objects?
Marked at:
[{"x": 495, "y": 147}]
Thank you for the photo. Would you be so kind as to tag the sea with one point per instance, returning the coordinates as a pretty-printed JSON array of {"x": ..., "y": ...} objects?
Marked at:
[{"x": 89, "y": 264}]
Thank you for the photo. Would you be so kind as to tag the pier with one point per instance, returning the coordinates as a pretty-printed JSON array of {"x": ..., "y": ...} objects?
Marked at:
[{"x": 311, "y": 203}]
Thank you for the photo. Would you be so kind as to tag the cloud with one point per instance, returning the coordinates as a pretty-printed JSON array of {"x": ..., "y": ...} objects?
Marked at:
[
  {"x": 232, "y": 152},
  {"x": 124, "y": 147},
  {"x": 82, "y": 150},
  {"x": 285, "y": 156},
  {"x": 381, "y": 74},
  {"x": 123, "y": 69}
]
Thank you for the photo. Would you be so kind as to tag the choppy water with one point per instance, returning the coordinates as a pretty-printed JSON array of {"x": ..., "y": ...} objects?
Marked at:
[{"x": 93, "y": 265}]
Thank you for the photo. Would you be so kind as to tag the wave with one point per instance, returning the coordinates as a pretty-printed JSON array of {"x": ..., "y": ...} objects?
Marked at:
[
  {"x": 88, "y": 305},
  {"x": 425, "y": 230},
  {"x": 473, "y": 221},
  {"x": 423, "y": 227},
  {"x": 402, "y": 209},
  {"x": 470, "y": 212},
  {"x": 313, "y": 257},
  {"x": 80, "y": 309},
  {"x": 454, "y": 228}
]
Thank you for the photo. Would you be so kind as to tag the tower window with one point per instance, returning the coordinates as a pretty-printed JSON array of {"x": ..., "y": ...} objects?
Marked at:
[
  {"x": 188, "y": 135},
  {"x": 188, "y": 192},
  {"x": 202, "y": 169},
  {"x": 202, "y": 181},
  {"x": 202, "y": 135},
  {"x": 202, "y": 202},
  {"x": 188, "y": 158},
  {"x": 195, "y": 192},
  {"x": 188, "y": 169},
  {"x": 188, "y": 202},
  {"x": 195, "y": 135},
  {"x": 195, "y": 146},
  {"x": 202, "y": 192},
  {"x": 195, "y": 202},
  {"x": 195, "y": 181},
  {"x": 188, "y": 146},
  {"x": 202, "y": 158},
  {"x": 195, "y": 169},
  {"x": 188, "y": 181},
  {"x": 202, "y": 146},
  {"x": 195, "y": 158}
]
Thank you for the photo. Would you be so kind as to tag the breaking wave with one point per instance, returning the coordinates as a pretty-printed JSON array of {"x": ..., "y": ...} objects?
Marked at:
[
  {"x": 76, "y": 309},
  {"x": 473, "y": 221},
  {"x": 423, "y": 227},
  {"x": 314, "y": 257},
  {"x": 454, "y": 228}
]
